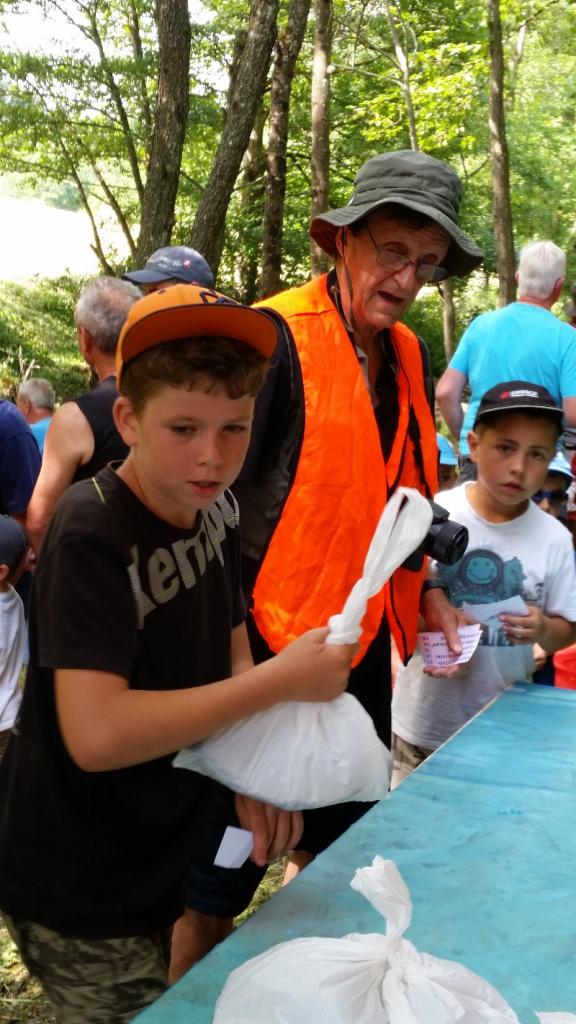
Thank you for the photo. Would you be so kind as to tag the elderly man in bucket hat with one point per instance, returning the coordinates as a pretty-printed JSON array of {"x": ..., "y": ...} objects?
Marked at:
[{"x": 343, "y": 420}]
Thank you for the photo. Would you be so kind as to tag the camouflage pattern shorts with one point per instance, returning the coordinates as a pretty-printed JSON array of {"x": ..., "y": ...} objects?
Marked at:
[
  {"x": 94, "y": 981},
  {"x": 407, "y": 757}
]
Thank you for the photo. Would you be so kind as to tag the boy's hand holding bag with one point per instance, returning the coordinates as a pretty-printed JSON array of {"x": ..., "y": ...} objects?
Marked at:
[{"x": 302, "y": 755}]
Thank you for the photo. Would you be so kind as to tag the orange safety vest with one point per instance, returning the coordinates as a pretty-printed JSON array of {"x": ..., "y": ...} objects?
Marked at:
[{"x": 319, "y": 545}]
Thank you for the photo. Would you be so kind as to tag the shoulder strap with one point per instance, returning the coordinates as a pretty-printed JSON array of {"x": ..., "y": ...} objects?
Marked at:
[{"x": 427, "y": 372}]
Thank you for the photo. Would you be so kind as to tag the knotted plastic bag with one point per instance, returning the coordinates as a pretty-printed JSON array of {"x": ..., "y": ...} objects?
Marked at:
[
  {"x": 556, "y": 1018},
  {"x": 361, "y": 979},
  {"x": 301, "y": 755}
]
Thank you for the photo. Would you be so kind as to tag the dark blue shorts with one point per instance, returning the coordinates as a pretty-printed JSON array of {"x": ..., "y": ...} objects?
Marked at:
[
  {"x": 223, "y": 892},
  {"x": 226, "y": 892}
]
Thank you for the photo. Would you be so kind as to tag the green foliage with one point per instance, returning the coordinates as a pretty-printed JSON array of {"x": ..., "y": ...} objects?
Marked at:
[
  {"x": 21, "y": 1001},
  {"x": 58, "y": 112},
  {"x": 425, "y": 319},
  {"x": 37, "y": 325}
]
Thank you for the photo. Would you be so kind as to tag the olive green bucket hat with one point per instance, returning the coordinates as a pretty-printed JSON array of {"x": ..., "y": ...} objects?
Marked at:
[{"x": 416, "y": 181}]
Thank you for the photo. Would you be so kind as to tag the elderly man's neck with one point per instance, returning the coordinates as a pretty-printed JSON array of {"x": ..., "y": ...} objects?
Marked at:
[
  {"x": 365, "y": 336},
  {"x": 103, "y": 365},
  {"x": 533, "y": 300},
  {"x": 536, "y": 300}
]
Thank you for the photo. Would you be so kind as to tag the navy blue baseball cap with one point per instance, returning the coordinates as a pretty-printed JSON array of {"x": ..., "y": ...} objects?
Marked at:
[
  {"x": 173, "y": 261},
  {"x": 13, "y": 542}
]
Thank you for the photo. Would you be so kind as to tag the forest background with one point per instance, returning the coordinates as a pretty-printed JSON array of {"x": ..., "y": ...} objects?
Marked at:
[{"x": 225, "y": 124}]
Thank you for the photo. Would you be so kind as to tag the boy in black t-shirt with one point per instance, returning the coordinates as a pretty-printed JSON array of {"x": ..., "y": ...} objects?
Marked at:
[{"x": 138, "y": 648}]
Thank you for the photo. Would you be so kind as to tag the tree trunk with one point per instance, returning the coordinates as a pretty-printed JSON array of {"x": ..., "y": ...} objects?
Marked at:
[
  {"x": 501, "y": 207},
  {"x": 320, "y": 157},
  {"x": 157, "y": 219},
  {"x": 252, "y": 189},
  {"x": 208, "y": 228},
  {"x": 394, "y": 21},
  {"x": 288, "y": 47}
]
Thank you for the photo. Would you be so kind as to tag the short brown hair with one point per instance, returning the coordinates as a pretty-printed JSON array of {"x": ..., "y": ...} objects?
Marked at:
[{"x": 206, "y": 363}]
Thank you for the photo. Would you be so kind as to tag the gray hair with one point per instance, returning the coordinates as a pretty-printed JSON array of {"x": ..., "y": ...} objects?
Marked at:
[
  {"x": 102, "y": 309},
  {"x": 38, "y": 391},
  {"x": 540, "y": 266}
]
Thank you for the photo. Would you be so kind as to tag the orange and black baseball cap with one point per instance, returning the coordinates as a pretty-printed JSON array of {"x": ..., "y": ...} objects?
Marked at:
[{"x": 188, "y": 311}]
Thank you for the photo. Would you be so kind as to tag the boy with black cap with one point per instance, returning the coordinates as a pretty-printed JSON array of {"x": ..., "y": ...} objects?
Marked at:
[
  {"x": 13, "y": 549},
  {"x": 515, "y": 551},
  {"x": 138, "y": 647}
]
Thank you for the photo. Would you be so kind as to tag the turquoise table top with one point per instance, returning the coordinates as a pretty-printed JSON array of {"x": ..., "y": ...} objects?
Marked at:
[{"x": 484, "y": 834}]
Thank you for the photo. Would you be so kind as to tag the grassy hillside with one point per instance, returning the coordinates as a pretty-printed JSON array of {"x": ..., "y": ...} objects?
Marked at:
[{"x": 37, "y": 323}]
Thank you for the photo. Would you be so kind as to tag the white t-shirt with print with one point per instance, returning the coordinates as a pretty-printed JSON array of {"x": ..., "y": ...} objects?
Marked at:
[
  {"x": 531, "y": 556},
  {"x": 13, "y": 653}
]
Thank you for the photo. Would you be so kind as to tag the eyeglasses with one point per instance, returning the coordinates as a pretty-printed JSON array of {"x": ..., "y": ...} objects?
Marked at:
[
  {"x": 554, "y": 497},
  {"x": 395, "y": 261}
]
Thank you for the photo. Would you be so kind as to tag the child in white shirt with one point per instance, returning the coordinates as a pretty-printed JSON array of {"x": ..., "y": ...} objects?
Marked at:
[
  {"x": 515, "y": 550},
  {"x": 13, "y": 550}
]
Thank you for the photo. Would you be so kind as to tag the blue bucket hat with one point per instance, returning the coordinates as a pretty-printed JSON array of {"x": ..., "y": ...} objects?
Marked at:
[{"x": 560, "y": 465}]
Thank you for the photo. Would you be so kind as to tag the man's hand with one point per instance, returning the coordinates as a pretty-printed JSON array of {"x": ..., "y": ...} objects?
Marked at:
[
  {"x": 442, "y": 617},
  {"x": 275, "y": 832},
  {"x": 313, "y": 670}
]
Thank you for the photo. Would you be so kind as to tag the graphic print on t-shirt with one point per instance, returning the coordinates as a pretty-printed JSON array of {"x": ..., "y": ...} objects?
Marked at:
[
  {"x": 482, "y": 576},
  {"x": 165, "y": 572}
]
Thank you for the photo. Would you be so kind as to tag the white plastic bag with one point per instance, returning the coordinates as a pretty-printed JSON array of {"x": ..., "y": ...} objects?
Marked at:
[
  {"x": 402, "y": 527},
  {"x": 302, "y": 755},
  {"x": 360, "y": 979},
  {"x": 556, "y": 1018}
]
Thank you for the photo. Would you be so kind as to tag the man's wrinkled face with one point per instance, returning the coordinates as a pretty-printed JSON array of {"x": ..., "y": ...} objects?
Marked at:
[{"x": 382, "y": 296}]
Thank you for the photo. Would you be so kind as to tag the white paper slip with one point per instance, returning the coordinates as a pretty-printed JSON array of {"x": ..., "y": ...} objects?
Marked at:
[
  {"x": 436, "y": 653},
  {"x": 488, "y": 614},
  {"x": 235, "y": 848}
]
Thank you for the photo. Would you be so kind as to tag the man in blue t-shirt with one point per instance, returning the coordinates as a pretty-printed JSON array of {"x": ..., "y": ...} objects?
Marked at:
[
  {"x": 36, "y": 401},
  {"x": 521, "y": 341},
  {"x": 19, "y": 462},
  {"x": 19, "y": 467}
]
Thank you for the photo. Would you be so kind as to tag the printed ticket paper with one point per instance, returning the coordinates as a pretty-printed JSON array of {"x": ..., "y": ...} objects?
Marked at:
[{"x": 436, "y": 653}]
